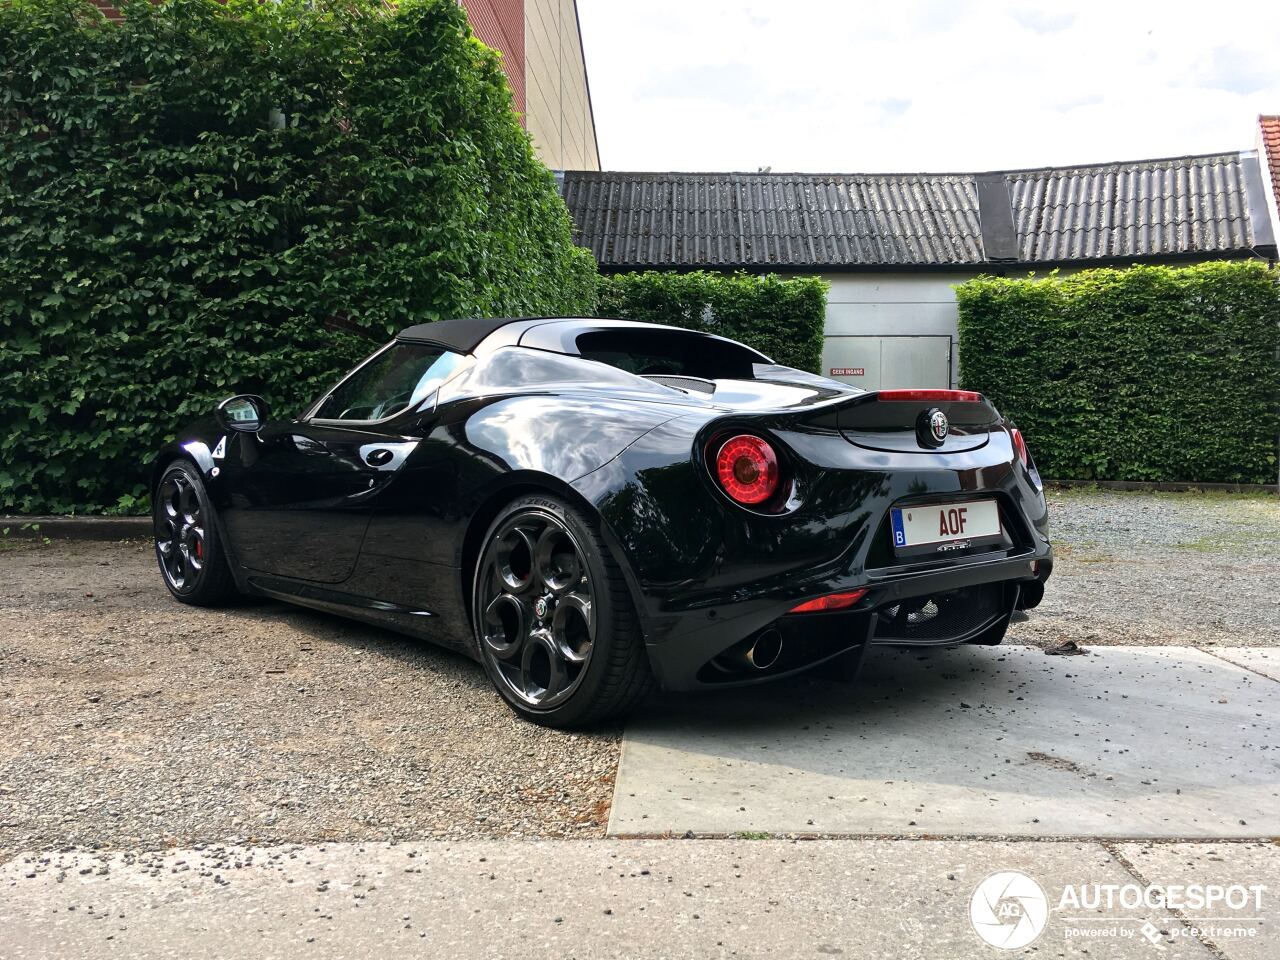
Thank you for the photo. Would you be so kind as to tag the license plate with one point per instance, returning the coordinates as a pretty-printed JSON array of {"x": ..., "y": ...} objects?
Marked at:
[{"x": 945, "y": 527}]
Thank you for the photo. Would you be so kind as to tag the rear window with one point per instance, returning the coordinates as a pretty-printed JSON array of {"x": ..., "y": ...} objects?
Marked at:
[{"x": 669, "y": 353}]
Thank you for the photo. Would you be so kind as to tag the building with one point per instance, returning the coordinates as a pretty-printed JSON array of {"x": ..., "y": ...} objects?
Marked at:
[
  {"x": 1269, "y": 156},
  {"x": 541, "y": 46},
  {"x": 893, "y": 246}
]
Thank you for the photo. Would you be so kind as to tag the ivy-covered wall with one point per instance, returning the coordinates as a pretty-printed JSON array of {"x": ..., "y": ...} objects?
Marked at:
[
  {"x": 1149, "y": 373},
  {"x": 191, "y": 201},
  {"x": 782, "y": 318}
]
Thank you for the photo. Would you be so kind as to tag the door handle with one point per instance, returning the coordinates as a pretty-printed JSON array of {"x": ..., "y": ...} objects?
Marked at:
[{"x": 378, "y": 457}]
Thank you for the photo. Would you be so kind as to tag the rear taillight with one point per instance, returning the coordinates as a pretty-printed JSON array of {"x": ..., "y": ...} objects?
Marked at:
[
  {"x": 930, "y": 396},
  {"x": 832, "y": 601},
  {"x": 747, "y": 469},
  {"x": 1019, "y": 445}
]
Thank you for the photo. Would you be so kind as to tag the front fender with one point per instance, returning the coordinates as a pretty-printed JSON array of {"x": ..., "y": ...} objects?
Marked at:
[{"x": 202, "y": 443}]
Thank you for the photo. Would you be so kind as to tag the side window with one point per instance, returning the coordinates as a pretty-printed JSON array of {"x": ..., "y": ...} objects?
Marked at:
[{"x": 401, "y": 376}]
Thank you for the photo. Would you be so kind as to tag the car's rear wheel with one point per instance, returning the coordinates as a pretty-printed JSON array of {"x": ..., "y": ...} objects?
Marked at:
[
  {"x": 191, "y": 558},
  {"x": 554, "y": 622}
]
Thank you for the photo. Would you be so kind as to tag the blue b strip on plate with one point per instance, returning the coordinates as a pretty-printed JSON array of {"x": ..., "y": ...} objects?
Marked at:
[{"x": 899, "y": 535}]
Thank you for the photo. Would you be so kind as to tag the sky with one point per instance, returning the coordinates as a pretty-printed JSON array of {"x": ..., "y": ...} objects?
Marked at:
[{"x": 924, "y": 85}]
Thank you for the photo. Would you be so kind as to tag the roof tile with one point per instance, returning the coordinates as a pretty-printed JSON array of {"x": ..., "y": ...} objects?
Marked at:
[{"x": 1270, "y": 126}]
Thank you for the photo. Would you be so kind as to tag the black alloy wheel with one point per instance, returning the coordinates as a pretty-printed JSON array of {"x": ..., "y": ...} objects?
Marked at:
[
  {"x": 190, "y": 557},
  {"x": 553, "y": 618}
]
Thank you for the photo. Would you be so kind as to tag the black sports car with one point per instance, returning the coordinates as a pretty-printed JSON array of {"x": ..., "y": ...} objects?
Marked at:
[{"x": 585, "y": 506}]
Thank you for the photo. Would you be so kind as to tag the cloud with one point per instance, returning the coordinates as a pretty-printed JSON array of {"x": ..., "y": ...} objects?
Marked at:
[
  {"x": 723, "y": 82},
  {"x": 1044, "y": 21},
  {"x": 1236, "y": 70},
  {"x": 922, "y": 84}
]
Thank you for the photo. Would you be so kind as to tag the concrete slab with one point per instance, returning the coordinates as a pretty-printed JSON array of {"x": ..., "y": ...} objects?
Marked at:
[
  {"x": 599, "y": 899},
  {"x": 1248, "y": 933},
  {"x": 985, "y": 741},
  {"x": 1263, "y": 660}
]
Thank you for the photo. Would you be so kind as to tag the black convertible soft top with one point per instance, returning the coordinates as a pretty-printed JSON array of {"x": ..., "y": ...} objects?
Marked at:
[{"x": 461, "y": 336}]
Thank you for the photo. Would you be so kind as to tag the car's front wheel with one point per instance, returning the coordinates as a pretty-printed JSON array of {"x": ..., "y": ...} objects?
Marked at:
[
  {"x": 554, "y": 621},
  {"x": 191, "y": 558}
]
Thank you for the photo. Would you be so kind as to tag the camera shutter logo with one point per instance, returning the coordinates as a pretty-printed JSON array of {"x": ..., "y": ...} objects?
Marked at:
[{"x": 1009, "y": 910}]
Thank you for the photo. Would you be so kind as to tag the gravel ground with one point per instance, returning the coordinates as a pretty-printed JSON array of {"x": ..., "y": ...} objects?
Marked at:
[
  {"x": 132, "y": 721},
  {"x": 1162, "y": 568}
]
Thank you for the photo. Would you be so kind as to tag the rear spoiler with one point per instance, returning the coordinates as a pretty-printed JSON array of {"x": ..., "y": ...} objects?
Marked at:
[
  {"x": 900, "y": 409},
  {"x": 927, "y": 396}
]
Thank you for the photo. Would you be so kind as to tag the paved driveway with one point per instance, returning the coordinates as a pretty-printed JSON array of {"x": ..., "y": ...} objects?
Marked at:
[
  {"x": 890, "y": 899},
  {"x": 218, "y": 783},
  {"x": 1155, "y": 742}
]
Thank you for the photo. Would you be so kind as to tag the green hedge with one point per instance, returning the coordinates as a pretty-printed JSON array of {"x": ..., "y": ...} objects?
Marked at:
[
  {"x": 1149, "y": 373},
  {"x": 781, "y": 318},
  {"x": 191, "y": 201}
]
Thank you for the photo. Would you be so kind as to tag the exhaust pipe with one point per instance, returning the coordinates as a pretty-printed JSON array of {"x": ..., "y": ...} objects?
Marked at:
[{"x": 766, "y": 650}]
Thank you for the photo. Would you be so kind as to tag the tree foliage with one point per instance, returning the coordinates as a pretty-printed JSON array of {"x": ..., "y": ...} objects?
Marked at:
[
  {"x": 1149, "y": 373},
  {"x": 209, "y": 199},
  {"x": 782, "y": 318}
]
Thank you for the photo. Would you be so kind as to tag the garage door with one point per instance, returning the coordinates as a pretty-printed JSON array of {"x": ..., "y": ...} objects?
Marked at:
[{"x": 881, "y": 363}]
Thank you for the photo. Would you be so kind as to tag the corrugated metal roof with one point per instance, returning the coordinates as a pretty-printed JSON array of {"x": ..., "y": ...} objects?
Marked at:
[
  {"x": 740, "y": 219},
  {"x": 1149, "y": 208}
]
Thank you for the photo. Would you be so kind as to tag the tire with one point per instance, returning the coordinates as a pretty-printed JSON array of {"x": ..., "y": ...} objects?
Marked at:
[
  {"x": 554, "y": 623},
  {"x": 189, "y": 551}
]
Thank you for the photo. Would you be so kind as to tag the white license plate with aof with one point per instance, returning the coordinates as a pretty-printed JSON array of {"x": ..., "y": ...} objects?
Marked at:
[{"x": 945, "y": 526}]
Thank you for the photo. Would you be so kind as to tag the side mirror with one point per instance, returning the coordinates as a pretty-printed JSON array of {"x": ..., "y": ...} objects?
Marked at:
[{"x": 246, "y": 413}]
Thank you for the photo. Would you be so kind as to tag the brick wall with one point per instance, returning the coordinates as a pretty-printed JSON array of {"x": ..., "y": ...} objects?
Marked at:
[
  {"x": 108, "y": 11},
  {"x": 500, "y": 24}
]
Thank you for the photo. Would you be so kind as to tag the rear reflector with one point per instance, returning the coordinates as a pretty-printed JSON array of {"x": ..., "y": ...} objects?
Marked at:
[
  {"x": 832, "y": 601},
  {"x": 934, "y": 396},
  {"x": 1019, "y": 445}
]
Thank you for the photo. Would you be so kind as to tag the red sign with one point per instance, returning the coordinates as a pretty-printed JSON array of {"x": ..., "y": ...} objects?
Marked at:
[{"x": 848, "y": 371}]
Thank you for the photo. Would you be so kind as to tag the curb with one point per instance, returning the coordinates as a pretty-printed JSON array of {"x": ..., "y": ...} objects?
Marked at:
[
  {"x": 1165, "y": 486},
  {"x": 139, "y": 528},
  {"x": 76, "y": 528}
]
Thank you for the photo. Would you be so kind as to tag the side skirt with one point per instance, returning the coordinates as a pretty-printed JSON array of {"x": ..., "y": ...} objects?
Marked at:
[{"x": 421, "y": 623}]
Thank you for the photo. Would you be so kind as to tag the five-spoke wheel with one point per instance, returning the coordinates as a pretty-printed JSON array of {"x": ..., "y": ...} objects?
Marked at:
[
  {"x": 535, "y": 607},
  {"x": 554, "y": 621}
]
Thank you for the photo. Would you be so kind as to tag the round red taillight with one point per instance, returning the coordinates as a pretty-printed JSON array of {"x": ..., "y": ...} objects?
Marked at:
[{"x": 747, "y": 469}]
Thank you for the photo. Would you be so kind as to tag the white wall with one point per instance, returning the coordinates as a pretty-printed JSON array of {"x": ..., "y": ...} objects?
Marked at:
[
  {"x": 557, "y": 104},
  {"x": 895, "y": 304},
  {"x": 1265, "y": 162}
]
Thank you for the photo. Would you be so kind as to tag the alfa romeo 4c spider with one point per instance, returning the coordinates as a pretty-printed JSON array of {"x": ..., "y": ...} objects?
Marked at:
[{"x": 592, "y": 507}]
